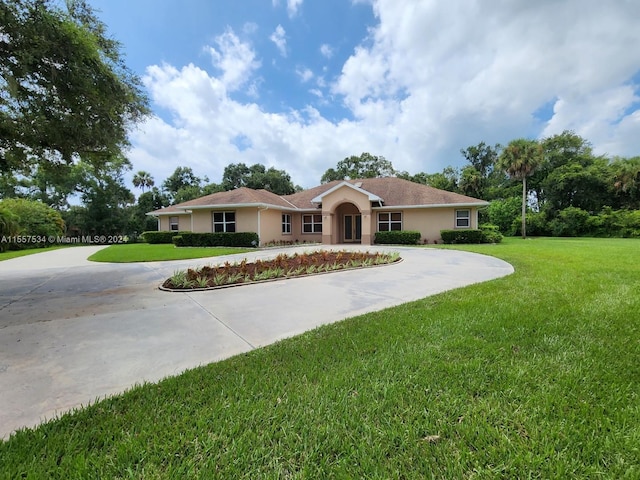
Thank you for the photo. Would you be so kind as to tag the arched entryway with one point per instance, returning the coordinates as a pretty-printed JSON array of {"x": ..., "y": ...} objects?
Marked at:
[{"x": 349, "y": 223}]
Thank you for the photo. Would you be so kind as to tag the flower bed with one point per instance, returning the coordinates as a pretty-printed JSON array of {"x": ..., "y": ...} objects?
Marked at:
[{"x": 282, "y": 266}]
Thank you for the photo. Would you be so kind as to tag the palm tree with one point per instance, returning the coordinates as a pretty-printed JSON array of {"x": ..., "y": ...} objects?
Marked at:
[
  {"x": 471, "y": 182},
  {"x": 143, "y": 180},
  {"x": 519, "y": 160},
  {"x": 627, "y": 179}
]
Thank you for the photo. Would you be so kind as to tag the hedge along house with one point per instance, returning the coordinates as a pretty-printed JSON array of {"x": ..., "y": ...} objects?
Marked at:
[{"x": 342, "y": 211}]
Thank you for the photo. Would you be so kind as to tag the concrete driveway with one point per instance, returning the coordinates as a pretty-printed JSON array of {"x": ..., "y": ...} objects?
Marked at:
[{"x": 73, "y": 331}]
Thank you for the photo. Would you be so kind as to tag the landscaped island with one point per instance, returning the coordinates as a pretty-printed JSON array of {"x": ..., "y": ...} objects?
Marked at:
[{"x": 282, "y": 266}]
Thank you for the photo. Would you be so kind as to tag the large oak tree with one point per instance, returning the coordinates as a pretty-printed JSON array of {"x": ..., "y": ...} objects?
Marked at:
[
  {"x": 257, "y": 176},
  {"x": 363, "y": 166},
  {"x": 65, "y": 91}
]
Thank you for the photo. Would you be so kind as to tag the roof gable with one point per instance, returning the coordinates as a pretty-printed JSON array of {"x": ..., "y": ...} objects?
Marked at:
[{"x": 372, "y": 196}]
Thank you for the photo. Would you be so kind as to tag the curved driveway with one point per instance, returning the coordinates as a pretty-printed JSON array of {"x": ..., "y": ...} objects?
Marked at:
[{"x": 72, "y": 331}]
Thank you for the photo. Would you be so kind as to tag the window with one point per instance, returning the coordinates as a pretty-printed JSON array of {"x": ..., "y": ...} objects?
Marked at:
[
  {"x": 388, "y": 221},
  {"x": 463, "y": 218},
  {"x": 224, "y": 221},
  {"x": 312, "y": 224},
  {"x": 286, "y": 224},
  {"x": 173, "y": 224}
]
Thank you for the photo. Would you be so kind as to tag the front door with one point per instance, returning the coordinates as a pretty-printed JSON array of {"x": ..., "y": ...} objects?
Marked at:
[{"x": 352, "y": 228}]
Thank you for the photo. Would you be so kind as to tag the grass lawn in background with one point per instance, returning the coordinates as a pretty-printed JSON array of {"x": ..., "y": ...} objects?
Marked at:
[
  {"x": 30, "y": 251},
  {"x": 534, "y": 375},
  {"x": 145, "y": 252}
]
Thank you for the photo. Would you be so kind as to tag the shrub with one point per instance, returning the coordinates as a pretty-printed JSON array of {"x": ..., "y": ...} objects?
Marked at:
[
  {"x": 8, "y": 222},
  {"x": 491, "y": 233},
  {"x": 615, "y": 223},
  {"x": 503, "y": 212},
  {"x": 31, "y": 218},
  {"x": 160, "y": 237},
  {"x": 8, "y": 226},
  {"x": 537, "y": 225},
  {"x": 398, "y": 237},
  {"x": 221, "y": 239},
  {"x": 570, "y": 222},
  {"x": 462, "y": 236},
  {"x": 487, "y": 233},
  {"x": 629, "y": 222}
]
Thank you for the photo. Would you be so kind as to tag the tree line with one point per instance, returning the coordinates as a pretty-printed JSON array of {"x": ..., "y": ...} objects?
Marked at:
[
  {"x": 557, "y": 185},
  {"x": 560, "y": 185},
  {"x": 67, "y": 101},
  {"x": 107, "y": 206}
]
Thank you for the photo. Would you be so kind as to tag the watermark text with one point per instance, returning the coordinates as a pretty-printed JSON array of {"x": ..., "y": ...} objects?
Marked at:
[{"x": 64, "y": 240}]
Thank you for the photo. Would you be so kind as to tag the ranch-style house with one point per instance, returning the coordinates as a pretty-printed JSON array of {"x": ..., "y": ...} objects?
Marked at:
[{"x": 342, "y": 211}]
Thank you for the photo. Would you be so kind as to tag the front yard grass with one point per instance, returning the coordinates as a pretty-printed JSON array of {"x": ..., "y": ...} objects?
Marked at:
[
  {"x": 534, "y": 375},
  {"x": 145, "y": 252},
  {"x": 9, "y": 254}
]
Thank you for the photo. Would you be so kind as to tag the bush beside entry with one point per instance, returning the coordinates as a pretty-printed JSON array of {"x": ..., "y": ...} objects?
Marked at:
[
  {"x": 491, "y": 233},
  {"x": 486, "y": 234},
  {"x": 398, "y": 237},
  {"x": 221, "y": 239},
  {"x": 160, "y": 237}
]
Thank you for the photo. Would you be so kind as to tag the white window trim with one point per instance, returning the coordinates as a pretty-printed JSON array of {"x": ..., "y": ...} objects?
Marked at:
[
  {"x": 389, "y": 222},
  {"x": 286, "y": 224},
  {"x": 224, "y": 222},
  {"x": 177, "y": 224},
  {"x": 313, "y": 223},
  {"x": 467, "y": 218}
]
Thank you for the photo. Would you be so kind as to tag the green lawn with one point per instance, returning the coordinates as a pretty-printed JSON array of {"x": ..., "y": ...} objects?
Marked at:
[
  {"x": 535, "y": 375},
  {"x": 145, "y": 252},
  {"x": 30, "y": 251}
]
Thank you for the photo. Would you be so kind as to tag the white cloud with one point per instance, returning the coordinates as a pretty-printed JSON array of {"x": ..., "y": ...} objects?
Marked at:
[
  {"x": 305, "y": 74},
  {"x": 326, "y": 50},
  {"x": 206, "y": 122},
  {"x": 431, "y": 78},
  {"x": 293, "y": 6},
  {"x": 279, "y": 38},
  {"x": 443, "y": 89},
  {"x": 237, "y": 60}
]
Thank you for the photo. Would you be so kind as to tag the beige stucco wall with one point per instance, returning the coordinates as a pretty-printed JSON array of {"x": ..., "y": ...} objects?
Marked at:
[
  {"x": 271, "y": 227},
  {"x": 345, "y": 195},
  {"x": 332, "y": 213},
  {"x": 429, "y": 221},
  {"x": 201, "y": 221},
  {"x": 184, "y": 222},
  {"x": 246, "y": 219},
  {"x": 296, "y": 229}
]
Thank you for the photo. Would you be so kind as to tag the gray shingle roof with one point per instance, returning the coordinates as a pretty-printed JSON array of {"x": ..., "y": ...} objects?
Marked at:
[{"x": 393, "y": 191}]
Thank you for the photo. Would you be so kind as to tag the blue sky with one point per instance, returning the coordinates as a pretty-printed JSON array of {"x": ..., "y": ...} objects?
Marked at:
[
  {"x": 301, "y": 84},
  {"x": 318, "y": 36}
]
